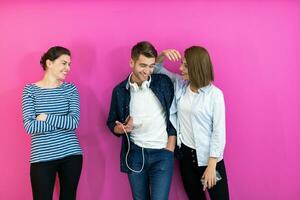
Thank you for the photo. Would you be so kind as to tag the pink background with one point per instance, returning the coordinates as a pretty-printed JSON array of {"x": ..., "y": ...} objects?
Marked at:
[{"x": 255, "y": 51}]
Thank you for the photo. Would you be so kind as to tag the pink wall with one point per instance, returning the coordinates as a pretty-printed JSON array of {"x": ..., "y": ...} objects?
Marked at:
[{"x": 254, "y": 47}]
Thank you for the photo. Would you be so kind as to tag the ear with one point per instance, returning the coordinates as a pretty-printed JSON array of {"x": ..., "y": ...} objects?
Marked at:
[
  {"x": 48, "y": 63},
  {"x": 131, "y": 63}
]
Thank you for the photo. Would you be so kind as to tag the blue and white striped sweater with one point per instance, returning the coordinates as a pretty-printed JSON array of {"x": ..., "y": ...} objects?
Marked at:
[{"x": 54, "y": 138}]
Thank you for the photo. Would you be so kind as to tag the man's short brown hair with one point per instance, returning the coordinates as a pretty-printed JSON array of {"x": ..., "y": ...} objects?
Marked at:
[{"x": 143, "y": 48}]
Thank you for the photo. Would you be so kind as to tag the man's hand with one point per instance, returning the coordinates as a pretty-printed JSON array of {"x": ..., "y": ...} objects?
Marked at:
[
  {"x": 171, "y": 143},
  {"x": 127, "y": 126}
]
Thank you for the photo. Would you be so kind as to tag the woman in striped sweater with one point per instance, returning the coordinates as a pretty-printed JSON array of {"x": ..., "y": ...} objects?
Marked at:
[{"x": 50, "y": 116}]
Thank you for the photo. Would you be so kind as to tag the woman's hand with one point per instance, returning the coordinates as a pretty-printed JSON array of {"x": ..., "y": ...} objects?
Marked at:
[
  {"x": 209, "y": 175},
  {"x": 171, "y": 54},
  {"x": 41, "y": 117}
]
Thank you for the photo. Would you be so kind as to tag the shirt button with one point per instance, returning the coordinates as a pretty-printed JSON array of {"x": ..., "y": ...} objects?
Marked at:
[
  {"x": 193, "y": 155},
  {"x": 194, "y": 161}
]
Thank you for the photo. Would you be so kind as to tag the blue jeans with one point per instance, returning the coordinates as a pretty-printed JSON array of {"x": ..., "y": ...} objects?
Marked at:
[{"x": 154, "y": 181}]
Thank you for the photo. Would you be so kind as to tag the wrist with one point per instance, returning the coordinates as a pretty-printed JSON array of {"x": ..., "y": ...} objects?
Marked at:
[
  {"x": 160, "y": 58},
  {"x": 212, "y": 162},
  {"x": 171, "y": 142},
  {"x": 170, "y": 147}
]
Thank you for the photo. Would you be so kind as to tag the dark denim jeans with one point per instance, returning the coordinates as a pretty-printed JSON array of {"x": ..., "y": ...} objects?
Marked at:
[
  {"x": 191, "y": 175},
  {"x": 154, "y": 181}
]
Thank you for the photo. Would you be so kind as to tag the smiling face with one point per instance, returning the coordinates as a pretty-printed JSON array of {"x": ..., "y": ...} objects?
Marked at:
[
  {"x": 60, "y": 67},
  {"x": 142, "y": 68},
  {"x": 184, "y": 70}
]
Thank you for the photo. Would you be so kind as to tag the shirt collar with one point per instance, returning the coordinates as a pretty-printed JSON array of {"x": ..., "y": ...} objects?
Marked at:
[{"x": 205, "y": 89}]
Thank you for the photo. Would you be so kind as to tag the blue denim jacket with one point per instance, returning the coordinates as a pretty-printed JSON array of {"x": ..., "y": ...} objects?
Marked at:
[{"x": 163, "y": 89}]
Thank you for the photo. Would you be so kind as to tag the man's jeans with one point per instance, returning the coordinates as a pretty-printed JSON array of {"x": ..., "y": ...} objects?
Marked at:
[{"x": 154, "y": 181}]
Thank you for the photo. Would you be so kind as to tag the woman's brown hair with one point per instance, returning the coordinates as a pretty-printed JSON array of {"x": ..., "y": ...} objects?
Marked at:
[{"x": 199, "y": 66}]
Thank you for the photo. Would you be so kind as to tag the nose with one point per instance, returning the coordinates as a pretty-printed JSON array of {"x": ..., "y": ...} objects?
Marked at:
[
  {"x": 68, "y": 68},
  {"x": 147, "y": 70},
  {"x": 181, "y": 67}
]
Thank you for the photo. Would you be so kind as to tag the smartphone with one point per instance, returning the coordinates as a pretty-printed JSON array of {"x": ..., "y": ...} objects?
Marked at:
[{"x": 218, "y": 178}]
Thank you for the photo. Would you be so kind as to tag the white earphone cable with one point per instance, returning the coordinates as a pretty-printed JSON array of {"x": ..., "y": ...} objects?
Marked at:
[{"x": 127, "y": 153}]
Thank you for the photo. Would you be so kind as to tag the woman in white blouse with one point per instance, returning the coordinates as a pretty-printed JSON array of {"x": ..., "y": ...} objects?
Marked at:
[{"x": 198, "y": 113}]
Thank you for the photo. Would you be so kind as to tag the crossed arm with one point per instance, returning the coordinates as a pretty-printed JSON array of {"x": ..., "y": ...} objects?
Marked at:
[{"x": 49, "y": 122}]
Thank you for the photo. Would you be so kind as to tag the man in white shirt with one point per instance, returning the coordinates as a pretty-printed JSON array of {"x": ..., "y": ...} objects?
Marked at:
[{"x": 140, "y": 113}]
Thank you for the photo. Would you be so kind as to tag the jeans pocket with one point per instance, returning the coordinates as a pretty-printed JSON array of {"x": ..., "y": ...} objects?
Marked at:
[
  {"x": 167, "y": 150},
  {"x": 163, "y": 160}
]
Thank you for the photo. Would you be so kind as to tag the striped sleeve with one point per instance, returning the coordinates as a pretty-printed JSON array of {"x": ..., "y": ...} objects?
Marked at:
[
  {"x": 71, "y": 120},
  {"x": 32, "y": 125}
]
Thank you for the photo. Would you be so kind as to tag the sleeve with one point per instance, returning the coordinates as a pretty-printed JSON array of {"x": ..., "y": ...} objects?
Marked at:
[
  {"x": 160, "y": 69},
  {"x": 113, "y": 113},
  {"x": 31, "y": 125},
  {"x": 218, "y": 138},
  {"x": 176, "y": 79},
  {"x": 71, "y": 120},
  {"x": 170, "y": 128}
]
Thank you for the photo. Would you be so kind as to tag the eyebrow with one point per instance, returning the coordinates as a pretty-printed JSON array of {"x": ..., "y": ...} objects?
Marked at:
[
  {"x": 146, "y": 64},
  {"x": 66, "y": 61}
]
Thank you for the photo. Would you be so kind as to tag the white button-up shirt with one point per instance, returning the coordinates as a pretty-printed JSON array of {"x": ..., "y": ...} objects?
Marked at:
[{"x": 207, "y": 118}]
